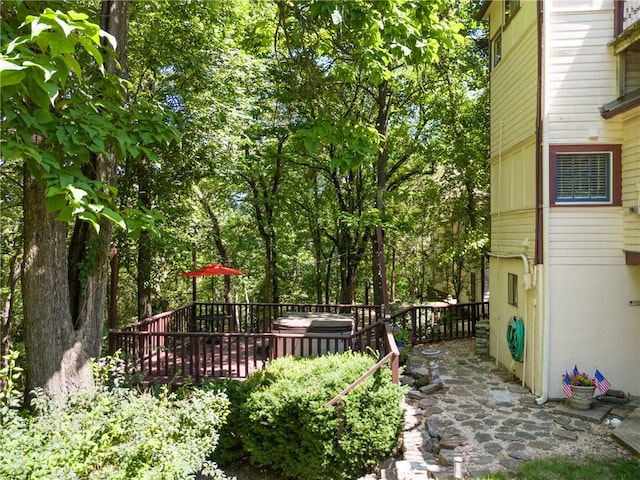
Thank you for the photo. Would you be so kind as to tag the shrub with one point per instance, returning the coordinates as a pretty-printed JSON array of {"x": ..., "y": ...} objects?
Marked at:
[
  {"x": 230, "y": 450},
  {"x": 283, "y": 422},
  {"x": 113, "y": 433}
]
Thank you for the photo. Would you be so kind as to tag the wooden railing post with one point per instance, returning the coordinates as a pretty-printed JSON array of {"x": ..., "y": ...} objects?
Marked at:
[{"x": 196, "y": 354}]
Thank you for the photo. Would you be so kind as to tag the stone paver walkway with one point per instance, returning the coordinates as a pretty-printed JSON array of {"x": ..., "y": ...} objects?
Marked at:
[{"x": 489, "y": 420}]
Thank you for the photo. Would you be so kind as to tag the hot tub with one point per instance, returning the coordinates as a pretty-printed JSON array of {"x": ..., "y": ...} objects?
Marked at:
[{"x": 312, "y": 333}]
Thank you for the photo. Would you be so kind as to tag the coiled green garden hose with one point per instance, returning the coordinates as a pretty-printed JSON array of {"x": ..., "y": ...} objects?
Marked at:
[{"x": 515, "y": 338}]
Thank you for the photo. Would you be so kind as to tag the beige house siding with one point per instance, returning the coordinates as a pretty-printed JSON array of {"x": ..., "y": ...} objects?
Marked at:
[
  {"x": 581, "y": 294},
  {"x": 514, "y": 108},
  {"x": 581, "y": 77},
  {"x": 513, "y": 232},
  {"x": 513, "y": 185},
  {"x": 631, "y": 181},
  {"x": 589, "y": 284},
  {"x": 502, "y": 312},
  {"x": 513, "y": 179},
  {"x": 585, "y": 236}
]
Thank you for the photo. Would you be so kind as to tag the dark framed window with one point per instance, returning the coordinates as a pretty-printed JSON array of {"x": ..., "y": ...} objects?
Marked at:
[
  {"x": 626, "y": 47},
  {"x": 510, "y": 9},
  {"x": 512, "y": 289},
  {"x": 496, "y": 49},
  {"x": 586, "y": 175},
  {"x": 629, "y": 66}
]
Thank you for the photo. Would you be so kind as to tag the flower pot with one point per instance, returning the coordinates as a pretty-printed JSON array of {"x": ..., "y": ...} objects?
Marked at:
[{"x": 581, "y": 397}]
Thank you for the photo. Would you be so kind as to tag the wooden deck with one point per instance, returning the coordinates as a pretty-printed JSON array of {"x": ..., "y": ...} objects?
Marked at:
[
  {"x": 214, "y": 341},
  {"x": 204, "y": 356}
]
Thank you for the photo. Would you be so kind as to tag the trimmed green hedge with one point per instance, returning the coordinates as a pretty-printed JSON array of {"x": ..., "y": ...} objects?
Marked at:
[{"x": 281, "y": 421}]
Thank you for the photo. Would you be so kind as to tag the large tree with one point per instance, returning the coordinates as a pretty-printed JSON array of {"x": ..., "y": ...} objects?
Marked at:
[
  {"x": 358, "y": 63},
  {"x": 66, "y": 120}
]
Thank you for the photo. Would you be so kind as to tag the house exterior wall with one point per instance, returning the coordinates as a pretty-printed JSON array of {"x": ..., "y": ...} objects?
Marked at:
[
  {"x": 513, "y": 180},
  {"x": 515, "y": 78},
  {"x": 631, "y": 181},
  {"x": 631, "y": 219},
  {"x": 591, "y": 323},
  {"x": 529, "y": 370},
  {"x": 578, "y": 300},
  {"x": 600, "y": 333},
  {"x": 581, "y": 74}
]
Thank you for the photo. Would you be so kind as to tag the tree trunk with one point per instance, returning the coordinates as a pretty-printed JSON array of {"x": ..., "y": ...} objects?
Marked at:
[
  {"x": 350, "y": 251},
  {"x": 144, "y": 276},
  {"x": 263, "y": 198},
  {"x": 392, "y": 280},
  {"x": 382, "y": 123},
  {"x": 64, "y": 285},
  {"x": 220, "y": 247},
  {"x": 57, "y": 354},
  {"x": 145, "y": 253},
  {"x": 376, "y": 280}
]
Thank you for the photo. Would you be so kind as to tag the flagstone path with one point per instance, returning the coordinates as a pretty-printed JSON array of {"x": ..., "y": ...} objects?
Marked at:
[{"x": 483, "y": 415}]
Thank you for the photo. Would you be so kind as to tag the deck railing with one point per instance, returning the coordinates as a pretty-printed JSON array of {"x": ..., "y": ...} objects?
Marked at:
[
  {"x": 259, "y": 317},
  {"x": 218, "y": 340},
  {"x": 436, "y": 323}
]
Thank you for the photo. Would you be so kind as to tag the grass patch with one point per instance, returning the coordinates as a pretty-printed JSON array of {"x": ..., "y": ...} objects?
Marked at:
[{"x": 564, "y": 468}]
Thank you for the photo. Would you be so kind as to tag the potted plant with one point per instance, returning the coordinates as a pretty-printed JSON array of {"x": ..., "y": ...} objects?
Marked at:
[{"x": 580, "y": 388}]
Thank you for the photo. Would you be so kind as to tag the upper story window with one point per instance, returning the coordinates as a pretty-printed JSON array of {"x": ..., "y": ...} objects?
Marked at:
[
  {"x": 510, "y": 9},
  {"x": 586, "y": 175},
  {"x": 496, "y": 50},
  {"x": 626, "y": 46},
  {"x": 629, "y": 67}
]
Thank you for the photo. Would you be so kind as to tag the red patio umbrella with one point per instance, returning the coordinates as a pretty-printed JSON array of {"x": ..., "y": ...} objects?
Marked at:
[{"x": 209, "y": 270}]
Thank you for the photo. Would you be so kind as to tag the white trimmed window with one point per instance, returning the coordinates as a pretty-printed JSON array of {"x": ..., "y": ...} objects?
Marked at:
[{"x": 583, "y": 177}]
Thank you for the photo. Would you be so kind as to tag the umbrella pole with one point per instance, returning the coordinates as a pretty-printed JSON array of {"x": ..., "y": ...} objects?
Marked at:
[{"x": 193, "y": 280}]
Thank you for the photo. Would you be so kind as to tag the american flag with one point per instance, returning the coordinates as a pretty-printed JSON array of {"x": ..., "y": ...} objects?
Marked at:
[
  {"x": 566, "y": 386},
  {"x": 601, "y": 382}
]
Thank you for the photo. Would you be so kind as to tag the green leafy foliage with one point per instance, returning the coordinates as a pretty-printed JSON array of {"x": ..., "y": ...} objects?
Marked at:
[
  {"x": 283, "y": 422},
  {"x": 59, "y": 115},
  {"x": 113, "y": 433},
  {"x": 10, "y": 396}
]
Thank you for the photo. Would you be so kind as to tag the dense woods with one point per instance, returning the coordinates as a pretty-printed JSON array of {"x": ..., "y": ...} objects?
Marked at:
[{"x": 271, "y": 136}]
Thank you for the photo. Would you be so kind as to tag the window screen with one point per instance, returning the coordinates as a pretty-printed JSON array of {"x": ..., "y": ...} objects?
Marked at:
[{"x": 583, "y": 177}]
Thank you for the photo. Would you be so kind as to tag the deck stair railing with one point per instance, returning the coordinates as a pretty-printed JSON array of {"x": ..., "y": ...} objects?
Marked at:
[
  {"x": 218, "y": 340},
  {"x": 392, "y": 356}
]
